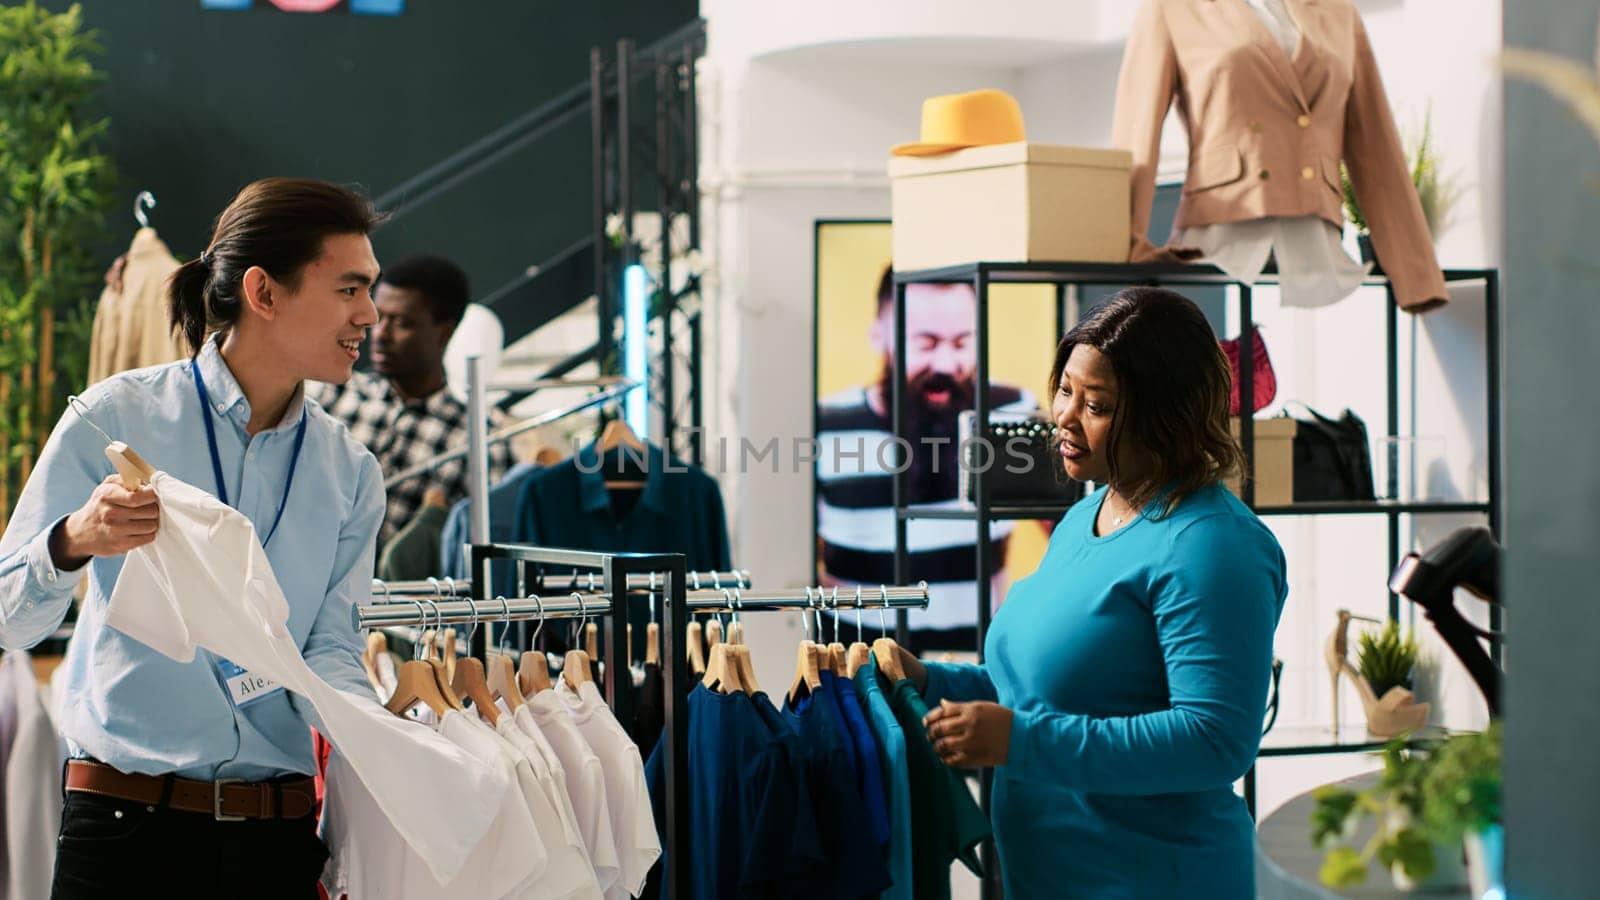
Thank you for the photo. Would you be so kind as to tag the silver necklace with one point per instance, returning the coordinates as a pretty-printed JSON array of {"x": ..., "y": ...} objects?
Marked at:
[{"x": 1117, "y": 520}]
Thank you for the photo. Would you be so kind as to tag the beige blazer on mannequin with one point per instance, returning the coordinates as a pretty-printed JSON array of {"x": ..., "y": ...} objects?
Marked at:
[{"x": 1267, "y": 131}]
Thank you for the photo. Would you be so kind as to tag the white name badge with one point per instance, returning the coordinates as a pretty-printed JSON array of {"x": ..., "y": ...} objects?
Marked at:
[{"x": 244, "y": 687}]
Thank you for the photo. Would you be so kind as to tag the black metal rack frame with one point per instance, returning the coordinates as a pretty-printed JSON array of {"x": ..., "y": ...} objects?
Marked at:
[
  {"x": 670, "y": 159},
  {"x": 1067, "y": 276}
]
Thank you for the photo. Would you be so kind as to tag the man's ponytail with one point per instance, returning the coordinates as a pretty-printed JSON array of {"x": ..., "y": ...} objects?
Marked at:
[{"x": 186, "y": 302}]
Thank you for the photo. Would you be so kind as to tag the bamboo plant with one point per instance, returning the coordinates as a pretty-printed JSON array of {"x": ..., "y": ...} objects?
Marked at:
[{"x": 54, "y": 191}]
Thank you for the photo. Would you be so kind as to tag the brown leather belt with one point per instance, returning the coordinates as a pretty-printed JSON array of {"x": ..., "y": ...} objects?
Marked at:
[{"x": 226, "y": 800}]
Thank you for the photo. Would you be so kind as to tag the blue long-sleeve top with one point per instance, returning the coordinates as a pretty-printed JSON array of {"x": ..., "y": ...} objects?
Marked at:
[
  {"x": 126, "y": 704},
  {"x": 1136, "y": 665}
]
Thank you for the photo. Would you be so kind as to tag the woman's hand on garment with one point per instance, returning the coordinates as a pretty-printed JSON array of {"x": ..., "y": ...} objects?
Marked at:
[
  {"x": 970, "y": 735},
  {"x": 114, "y": 521}
]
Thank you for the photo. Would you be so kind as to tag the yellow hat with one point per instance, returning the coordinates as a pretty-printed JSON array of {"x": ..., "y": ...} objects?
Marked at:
[{"x": 972, "y": 119}]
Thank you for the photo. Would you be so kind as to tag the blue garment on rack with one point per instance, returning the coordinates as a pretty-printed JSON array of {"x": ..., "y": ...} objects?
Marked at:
[
  {"x": 855, "y": 866},
  {"x": 679, "y": 511},
  {"x": 892, "y": 760},
  {"x": 863, "y": 753},
  {"x": 1136, "y": 665},
  {"x": 502, "y": 528},
  {"x": 750, "y": 831}
]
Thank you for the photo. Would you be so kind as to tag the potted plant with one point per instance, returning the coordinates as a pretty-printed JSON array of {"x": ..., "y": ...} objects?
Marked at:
[
  {"x": 1436, "y": 193},
  {"x": 1385, "y": 659},
  {"x": 1399, "y": 844},
  {"x": 1461, "y": 802},
  {"x": 1432, "y": 803},
  {"x": 52, "y": 216}
]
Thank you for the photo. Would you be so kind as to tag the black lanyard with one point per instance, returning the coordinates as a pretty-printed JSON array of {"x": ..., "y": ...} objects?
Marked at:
[{"x": 216, "y": 459}]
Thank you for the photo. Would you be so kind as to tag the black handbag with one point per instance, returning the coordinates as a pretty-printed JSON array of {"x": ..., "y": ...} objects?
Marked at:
[
  {"x": 1019, "y": 460},
  {"x": 1332, "y": 460}
]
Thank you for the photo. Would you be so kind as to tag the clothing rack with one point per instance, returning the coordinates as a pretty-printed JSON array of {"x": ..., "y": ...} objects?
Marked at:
[
  {"x": 420, "y": 611},
  {"x": 440, "y": 588},
  {"x": 584, "y": 604},
  {"x": 639, "y": 576},
  {"x": 510, "y": 431}
]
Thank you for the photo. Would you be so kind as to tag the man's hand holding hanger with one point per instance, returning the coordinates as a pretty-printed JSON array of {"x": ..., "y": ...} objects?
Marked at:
[{"x": 112, "y": 522}]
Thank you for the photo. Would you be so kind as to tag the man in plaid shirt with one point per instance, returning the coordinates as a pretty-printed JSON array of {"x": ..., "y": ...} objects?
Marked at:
[{"x": 404, "y": 414}]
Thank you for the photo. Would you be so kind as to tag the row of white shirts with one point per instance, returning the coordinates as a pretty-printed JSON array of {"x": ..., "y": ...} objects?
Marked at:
[
  {"x": 578, "y": 823},
  {"x": 458, "y": 807}
]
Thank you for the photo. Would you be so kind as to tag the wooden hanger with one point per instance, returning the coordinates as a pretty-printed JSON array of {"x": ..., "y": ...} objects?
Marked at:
[
  {"x": 713, "y": 633},
  {"x": 738, "y": 652},
  {"x": 502, "y": 677},
  {"x": 722, "y": 672},
  {"x": 131, "y": 467},
  {"x": 591, "y": 640},
  {"x": 697, "y": 651},
  {"x": 377, "y": 645},
  {"x": 652, "y": 644},
  {"x": 470, "y": 682},
  {"x": 836, "y": 656},
  {"x": 807, "y": 671},
  {"x": 533, "y": 673},
  {"x": 618, "y": 433},
  {"x": 452, "y": 699},
  {"x": 449, "y": 656},
  {"x": 745, "y": 665},
  {"x": 887, "y": 653},
  {"x": 856, "y": 657},
  {"x": 575, "y": 671},
  {"x": 738, "y": 668},
  {"x": 415, "y": 683}
]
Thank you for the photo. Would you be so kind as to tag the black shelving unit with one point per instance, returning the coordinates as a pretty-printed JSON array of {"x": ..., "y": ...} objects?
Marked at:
[{"x": 1068, "y": 275}]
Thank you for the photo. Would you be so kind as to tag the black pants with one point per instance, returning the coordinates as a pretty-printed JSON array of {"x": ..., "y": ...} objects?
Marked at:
[{"x": 111, "y": 848}]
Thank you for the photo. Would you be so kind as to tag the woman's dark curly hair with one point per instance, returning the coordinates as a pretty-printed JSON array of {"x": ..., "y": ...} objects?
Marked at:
[{"x": 1173, "y": 385}]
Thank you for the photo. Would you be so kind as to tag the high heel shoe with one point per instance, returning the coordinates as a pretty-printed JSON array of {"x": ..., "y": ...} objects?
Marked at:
[{"x": 1395, "y": 713}]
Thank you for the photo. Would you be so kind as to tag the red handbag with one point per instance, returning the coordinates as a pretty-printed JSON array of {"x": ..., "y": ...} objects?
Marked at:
[{"x": 1264, "y": 381}]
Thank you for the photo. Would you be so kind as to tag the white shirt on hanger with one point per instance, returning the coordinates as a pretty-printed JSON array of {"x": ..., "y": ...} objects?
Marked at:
[
  {"x": 586, "y": 782},
  {"x": 1313, "y": 267},
  {"x": 369, "y": 859},
  {"x": 522, "y": 731},
  {"x": 205, "y": 582},
  {"x": 627, "y": 796},
  {"x": 569, "y": 873}
]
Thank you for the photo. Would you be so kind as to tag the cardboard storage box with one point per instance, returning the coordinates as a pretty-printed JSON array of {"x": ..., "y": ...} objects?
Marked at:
[
  {"x": 1010, "y": 203},
  {"x": 1274, "y": 460}
]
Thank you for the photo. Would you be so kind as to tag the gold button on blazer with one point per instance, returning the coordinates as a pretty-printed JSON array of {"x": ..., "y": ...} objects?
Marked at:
[{"x": 1250, "y": 109}]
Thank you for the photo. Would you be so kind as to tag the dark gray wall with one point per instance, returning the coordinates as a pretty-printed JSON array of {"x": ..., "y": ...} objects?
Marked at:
[
  {"x": 1552, "y": 483},
  {"x": 204, "y": 101}
]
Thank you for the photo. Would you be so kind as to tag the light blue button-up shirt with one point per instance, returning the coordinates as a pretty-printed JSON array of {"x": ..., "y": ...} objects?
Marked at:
[{"x": 130, "y": 707}]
